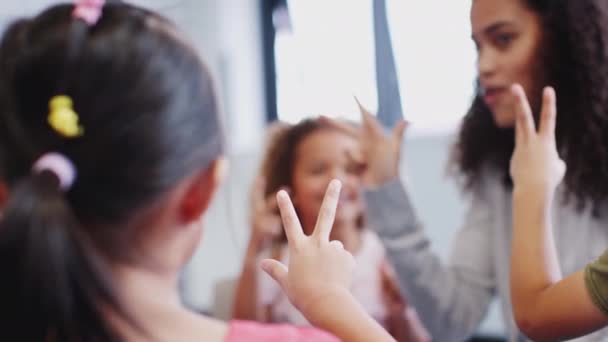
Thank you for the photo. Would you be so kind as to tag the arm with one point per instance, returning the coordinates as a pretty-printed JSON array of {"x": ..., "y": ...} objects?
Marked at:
[
  {"x": 341, "y": 315},
  {"x": 406, "y": 327},
  {"x": 266, "y": 227},
  {"x": 246, "y": 306},
  {"x": 450, "y": 300},
  {"x": 401, "y": 321},
  {"x": 545, "y": 306}
]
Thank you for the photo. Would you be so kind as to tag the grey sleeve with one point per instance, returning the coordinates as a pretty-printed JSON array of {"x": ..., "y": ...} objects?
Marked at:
[{"x": 451, "y": 299}]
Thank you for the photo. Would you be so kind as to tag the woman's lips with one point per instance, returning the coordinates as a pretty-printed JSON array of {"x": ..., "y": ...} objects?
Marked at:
[{"x": 491, "y": 95}]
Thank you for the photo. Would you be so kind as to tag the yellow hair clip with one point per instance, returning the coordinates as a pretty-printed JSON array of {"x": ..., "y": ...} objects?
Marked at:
[{"x": 63, "y": 118}]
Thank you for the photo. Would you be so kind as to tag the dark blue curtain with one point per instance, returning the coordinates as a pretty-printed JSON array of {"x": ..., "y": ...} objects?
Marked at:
[{"x": 387, "y": 83}]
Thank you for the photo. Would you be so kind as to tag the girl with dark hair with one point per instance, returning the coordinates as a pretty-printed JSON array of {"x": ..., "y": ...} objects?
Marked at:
[
  {"x": 561, "y": 43},
  {"x": 112, "y": 149}
]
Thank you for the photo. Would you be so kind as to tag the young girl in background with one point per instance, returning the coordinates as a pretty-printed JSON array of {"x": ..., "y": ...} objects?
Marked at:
[
  {"x": 112, "y": 150},
  {"x": 303, "y": 159}
]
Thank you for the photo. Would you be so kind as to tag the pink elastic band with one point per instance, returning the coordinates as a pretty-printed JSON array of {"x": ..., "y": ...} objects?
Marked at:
[
  {"x": 88, "y": 10},
  {"x": 58, "y": 164}
]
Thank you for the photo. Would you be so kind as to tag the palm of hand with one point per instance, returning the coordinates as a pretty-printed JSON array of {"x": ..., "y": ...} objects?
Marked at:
[{"x": 535, "y": 163}]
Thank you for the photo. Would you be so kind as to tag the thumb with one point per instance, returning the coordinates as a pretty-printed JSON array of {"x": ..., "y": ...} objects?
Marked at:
[{"x": 276, "y": 270}]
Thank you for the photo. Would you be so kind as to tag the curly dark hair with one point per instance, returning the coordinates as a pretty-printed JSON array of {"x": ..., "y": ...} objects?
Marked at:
[
  {"x": 279, "y": 159},
  {"x": 575, "y": 62}
]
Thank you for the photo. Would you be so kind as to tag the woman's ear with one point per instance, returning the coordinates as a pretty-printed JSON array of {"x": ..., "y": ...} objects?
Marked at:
[{"x": 202, "y": 188}]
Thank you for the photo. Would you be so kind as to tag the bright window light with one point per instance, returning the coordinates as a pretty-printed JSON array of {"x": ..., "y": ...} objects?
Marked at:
[{"x": 327, "y": 56}]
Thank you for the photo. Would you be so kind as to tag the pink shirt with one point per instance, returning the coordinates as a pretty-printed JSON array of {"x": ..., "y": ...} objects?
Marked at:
[{"x": 241, "y": 331}]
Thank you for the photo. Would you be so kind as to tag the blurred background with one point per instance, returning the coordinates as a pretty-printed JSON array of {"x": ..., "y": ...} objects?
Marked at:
[{"x": 287, "y": 60}]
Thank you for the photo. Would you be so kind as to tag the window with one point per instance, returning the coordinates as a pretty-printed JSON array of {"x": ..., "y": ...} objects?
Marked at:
[{"x": 324, "y": 55}]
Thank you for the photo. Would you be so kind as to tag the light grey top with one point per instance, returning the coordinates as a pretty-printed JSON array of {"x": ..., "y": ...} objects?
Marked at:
[{"x": 452, "y": 297}]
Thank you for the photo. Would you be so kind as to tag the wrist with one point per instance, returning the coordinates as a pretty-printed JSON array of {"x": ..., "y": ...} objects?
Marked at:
[
  {"x": 540, "y": 198},
  {"x": 327, "y": 306},
  {"x": 337, "y": 312},
  {"x": 538, "y": 192}
]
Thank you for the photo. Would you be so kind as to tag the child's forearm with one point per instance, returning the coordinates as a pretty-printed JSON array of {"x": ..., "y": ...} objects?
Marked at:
[
  {"x": 245, "y": 305},
  {"x": 341, "y": 315}
]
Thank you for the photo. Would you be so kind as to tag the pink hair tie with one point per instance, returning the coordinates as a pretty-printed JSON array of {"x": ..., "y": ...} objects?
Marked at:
[
  {"x": 88, "y": 10},
  {"x": 59, "y": 165}
]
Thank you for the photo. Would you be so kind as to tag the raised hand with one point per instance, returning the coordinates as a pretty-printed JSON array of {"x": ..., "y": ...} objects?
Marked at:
[
  {"x": 265, "y": 217},
  {"x": 318, "y": 268},
  {"x": 380, "y": 151},
  {"x": 535, "y": 164}
]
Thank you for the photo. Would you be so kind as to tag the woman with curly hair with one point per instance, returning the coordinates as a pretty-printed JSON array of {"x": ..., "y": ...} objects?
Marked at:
[{"x": 562, "y": 43}]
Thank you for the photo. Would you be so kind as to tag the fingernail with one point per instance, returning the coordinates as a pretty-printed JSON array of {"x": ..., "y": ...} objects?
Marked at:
[
  {"x": 282, "y": 194},
  {"x": 336, "y": 184}
]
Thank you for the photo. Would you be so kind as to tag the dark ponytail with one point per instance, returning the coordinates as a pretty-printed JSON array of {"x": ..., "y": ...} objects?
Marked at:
[
  {"x": 150, "y": 119},
  {"x": 58, "y": 283}
]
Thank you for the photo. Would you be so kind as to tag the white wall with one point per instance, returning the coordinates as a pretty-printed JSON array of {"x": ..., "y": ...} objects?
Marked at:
[{"x": 228, "y": 36}]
